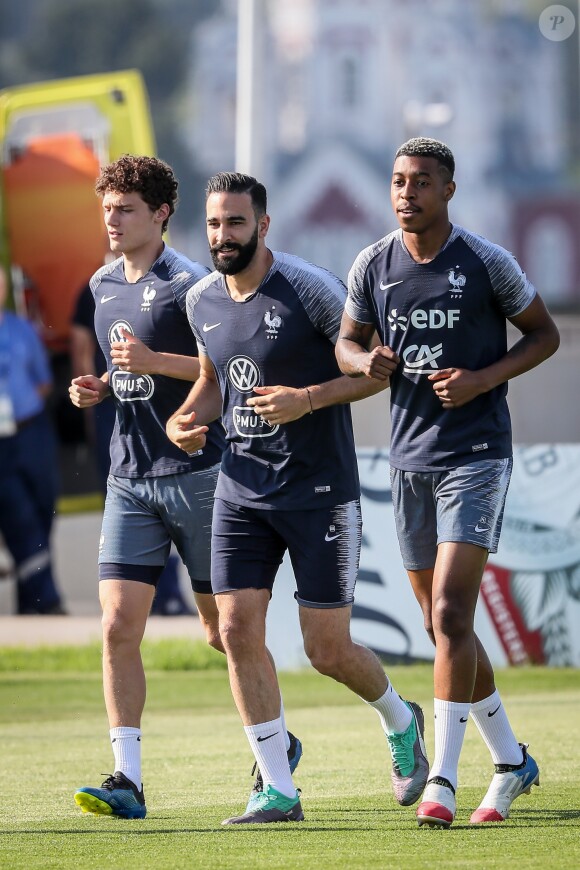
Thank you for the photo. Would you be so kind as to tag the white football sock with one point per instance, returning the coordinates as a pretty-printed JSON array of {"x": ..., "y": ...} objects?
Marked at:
[
  {"x": 268, "y": 744},
  {"x": 492, "y": 723},
  {"x": 283, "y": 721},
  {"x": 394, "y": 714},
  {"x": 126, "y": 743},
  {"x": 450, "y": 723}
]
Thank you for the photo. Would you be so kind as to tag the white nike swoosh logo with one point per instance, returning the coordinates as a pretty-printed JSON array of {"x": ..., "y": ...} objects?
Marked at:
[
  {"x": 106, "y": 299},
  {"x": 386, "y": 286},
  {"x": 207, "y": 328},
  {"x": 328, "y": 537},
  {"x": 479, "y": 528}
]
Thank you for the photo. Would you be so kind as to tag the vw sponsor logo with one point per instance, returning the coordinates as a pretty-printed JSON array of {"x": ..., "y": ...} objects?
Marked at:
[
  {"x": 115, "y": 331},
  {"x": 243, "y": 373}
]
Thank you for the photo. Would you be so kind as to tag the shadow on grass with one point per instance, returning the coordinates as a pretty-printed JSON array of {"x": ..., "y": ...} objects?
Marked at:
[{"x": 321, "y": 820}]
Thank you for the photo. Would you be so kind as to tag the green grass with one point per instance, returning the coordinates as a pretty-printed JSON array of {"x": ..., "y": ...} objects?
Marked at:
[
  {"x": 175, "y": 654},
  {"x": 53, "y": 738}
]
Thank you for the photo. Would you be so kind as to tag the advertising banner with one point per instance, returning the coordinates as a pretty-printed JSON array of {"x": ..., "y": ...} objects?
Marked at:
[{"x": 529, "y": 607}]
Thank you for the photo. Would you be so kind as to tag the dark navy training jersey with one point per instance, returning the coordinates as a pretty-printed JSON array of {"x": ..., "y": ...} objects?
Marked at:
[
  {"x": 152, "y": 309},
  {"x": 283, "y": 334},
  {"x": 450, "y": 312}
]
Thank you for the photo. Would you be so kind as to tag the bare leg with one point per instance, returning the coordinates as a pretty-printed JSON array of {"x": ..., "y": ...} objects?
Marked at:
[
  {"x": 126, "y": 605},
  {"x": 209, "y": 618},
  {"x": 332, "y": 652},
  {"x": 242, "y": 628},
  {"x": 423, "y": 584}
]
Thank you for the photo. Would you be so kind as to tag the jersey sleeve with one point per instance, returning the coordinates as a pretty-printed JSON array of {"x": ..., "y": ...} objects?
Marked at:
[
  {"x": 512, "y": 289},
  {"x": 321, "y": 293},
  {"x": 192, "y": 298},
  {"x": 183, "y": 274},
  {"x": 357, "y": 306}
]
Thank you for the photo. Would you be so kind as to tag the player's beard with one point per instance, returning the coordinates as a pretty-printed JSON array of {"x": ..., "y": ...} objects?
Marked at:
[{"x": 236, "y": 262}]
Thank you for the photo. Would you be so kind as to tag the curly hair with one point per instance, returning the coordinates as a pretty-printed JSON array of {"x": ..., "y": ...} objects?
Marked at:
[
  {"x": 237, "y": 182},
  {"x": 423, "y": 147},
  {"x": 151, "y": 178}
]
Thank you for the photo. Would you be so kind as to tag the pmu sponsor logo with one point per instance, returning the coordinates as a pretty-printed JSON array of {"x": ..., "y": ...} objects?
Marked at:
[
  {"x": 248, "y": 424},
  {"x": 433, "y": 318},
  {"x": 132, "y": 388},
  {"x": 420, "y": 359}
]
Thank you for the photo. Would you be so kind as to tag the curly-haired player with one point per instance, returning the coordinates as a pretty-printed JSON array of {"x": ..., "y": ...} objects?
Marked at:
[{"x": 156, "y": 493}]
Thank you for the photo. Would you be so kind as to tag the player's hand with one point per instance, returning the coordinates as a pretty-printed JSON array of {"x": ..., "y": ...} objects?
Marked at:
[
  {"x": 379, "y": 363},
  {"x": 456, "y": 387},
  {"x": 87, "y": 390},
  {"x": 278, "y": 405},
  {"x": 185, "y": 434},
  {"x": 131, "y": 355}
]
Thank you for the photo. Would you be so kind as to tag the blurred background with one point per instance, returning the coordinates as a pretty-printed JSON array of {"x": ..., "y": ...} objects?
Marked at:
[{"x": 313, "y": 97}]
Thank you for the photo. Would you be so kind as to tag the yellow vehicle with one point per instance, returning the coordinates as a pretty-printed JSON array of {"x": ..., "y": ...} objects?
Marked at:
[{"x": 54, "y": 136}]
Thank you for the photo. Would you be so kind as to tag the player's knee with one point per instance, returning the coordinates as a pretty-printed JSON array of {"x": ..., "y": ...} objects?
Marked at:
[
  {"x": 451, "y": 619},
  {"x": 212, "y": 634},
  {"x": 325, "y": 657},
  {"x": 236, "y": 637},
  {"x": 119, "y": 629}
]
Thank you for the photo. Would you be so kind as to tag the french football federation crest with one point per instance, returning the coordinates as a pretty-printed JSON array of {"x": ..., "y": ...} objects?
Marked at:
[{"x": 457, "y": 282}]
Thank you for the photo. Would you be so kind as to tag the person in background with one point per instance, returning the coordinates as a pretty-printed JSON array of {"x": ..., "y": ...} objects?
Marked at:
[
  {"x": 28, "y": 461},
  {"x": 87, "y": 356},
  {"x": 439, "y": 297}
]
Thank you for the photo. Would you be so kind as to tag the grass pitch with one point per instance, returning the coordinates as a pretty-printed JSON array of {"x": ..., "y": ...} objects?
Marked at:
[{"x": 196, "y": 762}]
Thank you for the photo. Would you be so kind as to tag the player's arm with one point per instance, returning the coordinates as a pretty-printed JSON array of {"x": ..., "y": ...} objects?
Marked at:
[
  {"x": 132, "y": 355},
  {"x": 540, "y": 339},
  {"x": 359, "y": 354},
  {"x": 88, "y": 390},
  {"x": 187, "y": 427},
  {"x": 278, "y": 405}
]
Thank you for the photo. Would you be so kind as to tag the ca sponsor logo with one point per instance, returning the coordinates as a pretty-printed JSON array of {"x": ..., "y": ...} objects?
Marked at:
[
  {"x": 115, "y": 333},
  {"x": 243, "y": 373},
  {"x": 457, "y": 281},
  {"x": 420, "y": 359},
  {"x": 248, "y": 424},
  {"x": 149, "y": 294},
  {"x": 273, "y": 322},
  {"x": 132, "y": 388}
]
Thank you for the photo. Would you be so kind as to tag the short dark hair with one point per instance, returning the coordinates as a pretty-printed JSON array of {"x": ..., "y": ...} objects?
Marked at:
[
  {"x": 423, "y": 147},
  {"x": 152, "y": 179},
  {"x": 237, "y": 182}
]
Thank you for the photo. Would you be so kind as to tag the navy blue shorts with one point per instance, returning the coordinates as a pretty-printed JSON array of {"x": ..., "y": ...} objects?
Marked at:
[
  {"x": 248, "y": 546},
  {"x": 144, "y": 515},
  {"x": 464, "y": 505}
]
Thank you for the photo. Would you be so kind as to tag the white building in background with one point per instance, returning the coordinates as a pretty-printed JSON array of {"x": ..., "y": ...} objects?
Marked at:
[{"x": 344, "y": 82}]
